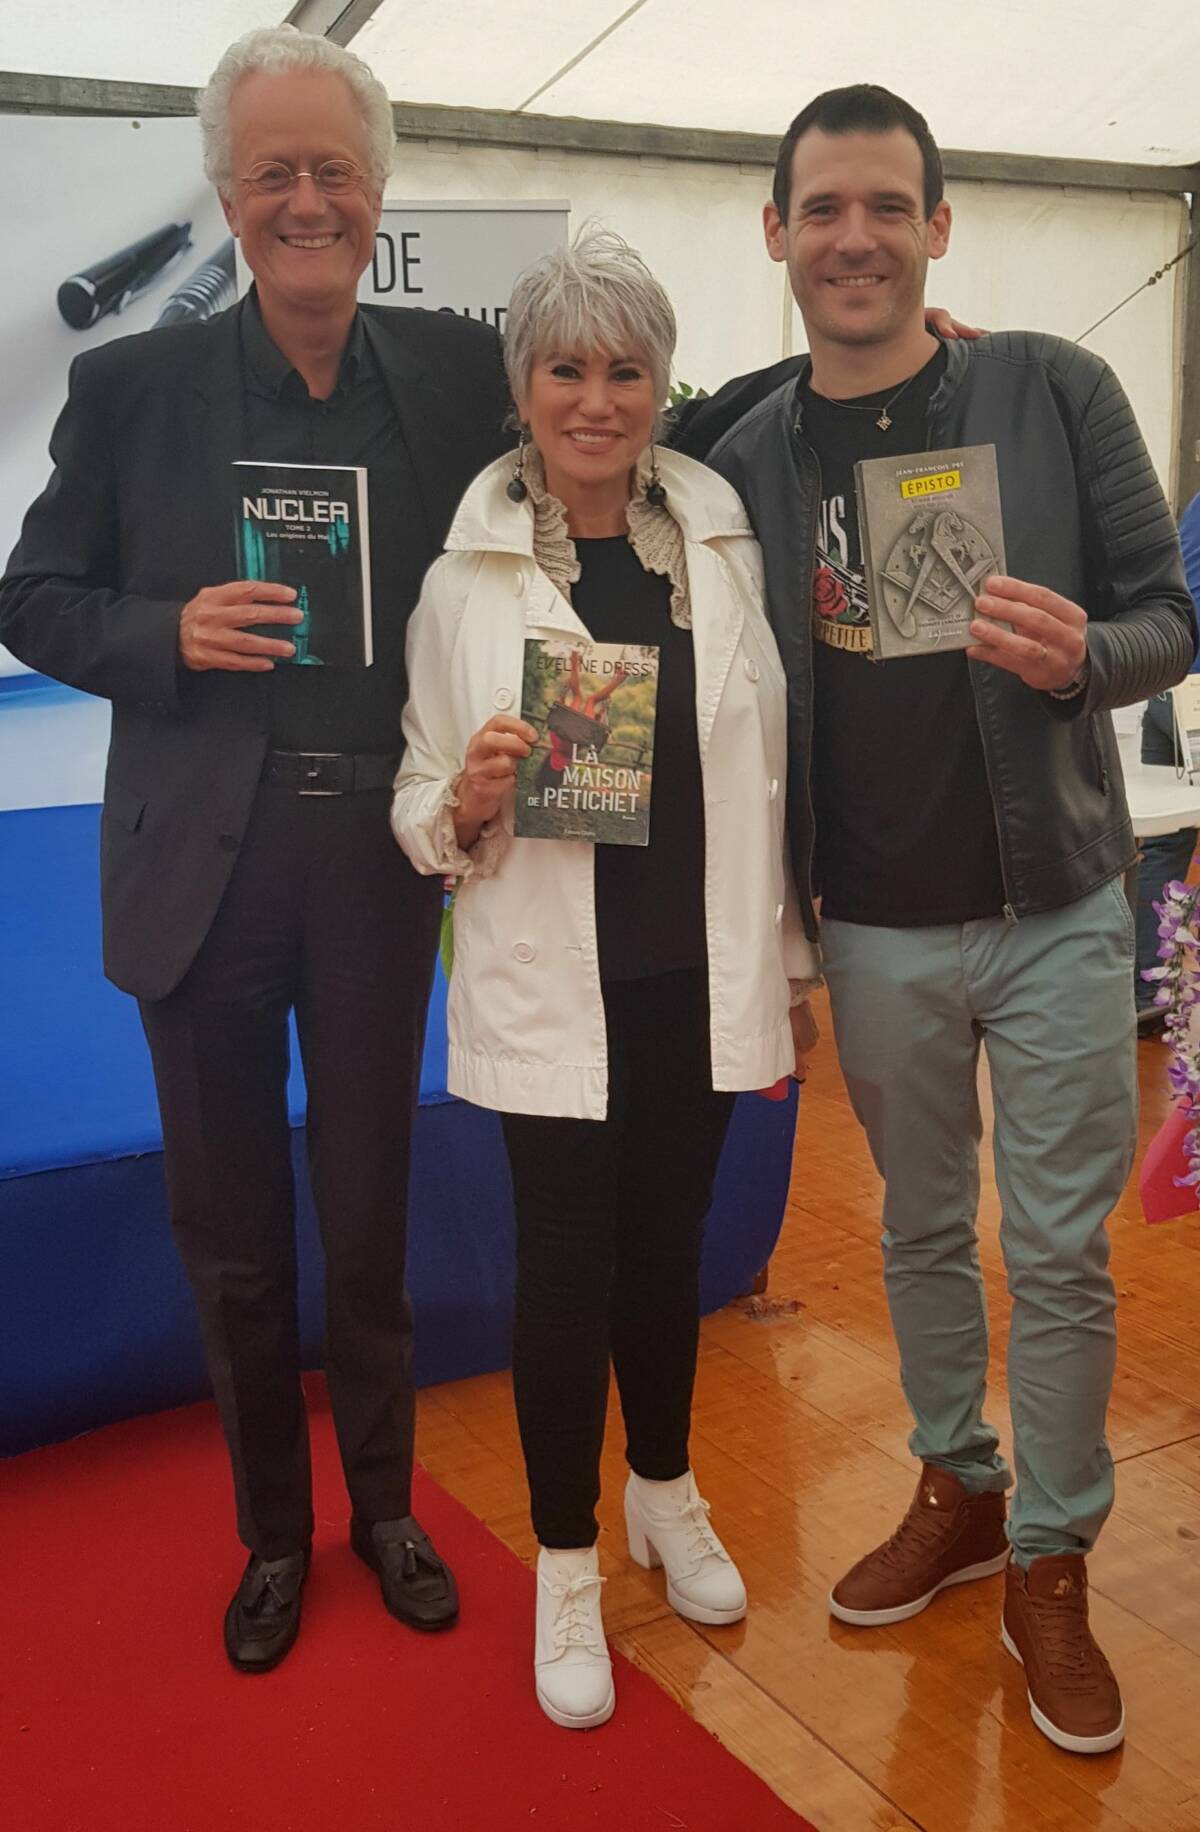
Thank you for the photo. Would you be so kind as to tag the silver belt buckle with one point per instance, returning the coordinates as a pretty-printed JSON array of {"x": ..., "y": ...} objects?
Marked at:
[{"x": 317, "y": 757}]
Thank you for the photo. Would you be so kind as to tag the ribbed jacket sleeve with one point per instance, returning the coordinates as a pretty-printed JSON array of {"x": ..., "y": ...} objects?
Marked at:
[{"x": 1146, "y": 638}]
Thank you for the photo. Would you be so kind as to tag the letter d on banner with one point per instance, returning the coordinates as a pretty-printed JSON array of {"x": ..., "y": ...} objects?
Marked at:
[
  {"x": 462, "y": 257},
  {"x": 383, "y": 265}
]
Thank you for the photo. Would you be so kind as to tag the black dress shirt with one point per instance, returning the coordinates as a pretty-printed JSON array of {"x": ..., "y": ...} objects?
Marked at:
[{"x": 338, "y": 709}]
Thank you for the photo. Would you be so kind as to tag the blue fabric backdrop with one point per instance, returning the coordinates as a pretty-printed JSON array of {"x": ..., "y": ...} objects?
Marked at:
[{"x": 95, "y": 1318}]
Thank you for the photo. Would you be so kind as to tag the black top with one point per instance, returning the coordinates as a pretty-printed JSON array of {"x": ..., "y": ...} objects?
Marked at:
[
  {"x": 650, "y": 899},
  {"x": 337, "y": 709},
  {"x": 905, "y": 829}
]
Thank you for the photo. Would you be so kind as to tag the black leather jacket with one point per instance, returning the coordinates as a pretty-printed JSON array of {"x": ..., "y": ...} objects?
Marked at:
[{"x": 1083, "y": 514}]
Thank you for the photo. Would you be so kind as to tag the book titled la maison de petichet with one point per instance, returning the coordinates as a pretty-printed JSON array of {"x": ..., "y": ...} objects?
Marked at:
[{"x": 591, "y": 773}]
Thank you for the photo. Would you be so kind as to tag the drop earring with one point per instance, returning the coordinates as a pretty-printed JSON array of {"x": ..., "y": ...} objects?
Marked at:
[
  {"x": 656, "y": 495},
  {"x": 518, "y": 489}
]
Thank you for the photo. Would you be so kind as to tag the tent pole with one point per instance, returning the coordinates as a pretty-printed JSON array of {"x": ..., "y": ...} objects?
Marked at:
[
  {"x": 23, "y": 93},
  {"x": 1187, "y": 478},
  {"x": 335, "y": 19}
]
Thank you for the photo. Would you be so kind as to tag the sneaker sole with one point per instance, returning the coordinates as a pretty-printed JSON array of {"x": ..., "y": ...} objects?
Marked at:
[
  {"x": 566, "y": 1722},
  {"x": 880, "y": 1618},
  {"x": 1077, "y": 1746}
]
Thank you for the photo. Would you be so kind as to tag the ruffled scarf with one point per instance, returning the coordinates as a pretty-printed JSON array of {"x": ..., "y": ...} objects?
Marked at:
[{"x": 654, "y": 535}]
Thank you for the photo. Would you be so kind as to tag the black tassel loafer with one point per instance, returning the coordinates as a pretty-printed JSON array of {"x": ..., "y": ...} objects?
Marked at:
[
  {"x": 418, "y": 1587},
  {"x": 263, "y": 1619}
]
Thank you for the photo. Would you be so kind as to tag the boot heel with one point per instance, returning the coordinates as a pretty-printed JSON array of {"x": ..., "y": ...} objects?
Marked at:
[{"x": 640, "y": 1549}]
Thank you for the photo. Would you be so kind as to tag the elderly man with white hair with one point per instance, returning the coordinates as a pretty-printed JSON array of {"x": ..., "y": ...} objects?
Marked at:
[{"x": 248, "y": 870}]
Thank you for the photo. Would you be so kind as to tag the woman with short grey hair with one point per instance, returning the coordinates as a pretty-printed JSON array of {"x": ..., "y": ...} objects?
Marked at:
[
  {"x": 596, "y": 293},
  {"x": 608, "y": 998}
]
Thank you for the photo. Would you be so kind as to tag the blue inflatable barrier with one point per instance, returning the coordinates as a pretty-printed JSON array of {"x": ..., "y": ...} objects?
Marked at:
[{"x": 96, "y": 1320}]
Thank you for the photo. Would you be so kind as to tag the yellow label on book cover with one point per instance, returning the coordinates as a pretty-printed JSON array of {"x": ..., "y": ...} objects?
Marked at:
[{"x": 935, "y": 485}]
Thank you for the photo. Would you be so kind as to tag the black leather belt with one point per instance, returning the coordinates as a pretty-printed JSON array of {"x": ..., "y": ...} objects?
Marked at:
[{"x": 330, "y": 772}]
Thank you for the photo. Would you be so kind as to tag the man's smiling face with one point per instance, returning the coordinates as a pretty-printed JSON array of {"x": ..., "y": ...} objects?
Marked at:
[
  {"x": 857, "y": 241},
  {"x": 306, "y": 251}
]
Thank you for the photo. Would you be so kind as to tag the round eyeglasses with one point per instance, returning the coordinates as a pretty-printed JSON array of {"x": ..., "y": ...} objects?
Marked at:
[{"x": 273, "y": 178}]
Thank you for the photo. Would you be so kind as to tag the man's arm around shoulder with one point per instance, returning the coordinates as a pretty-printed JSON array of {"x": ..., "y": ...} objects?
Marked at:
[{"x": 696, "y": 426}]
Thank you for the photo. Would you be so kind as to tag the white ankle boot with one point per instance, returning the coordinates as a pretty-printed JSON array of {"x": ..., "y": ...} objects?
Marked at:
[
  {"x": 571, "y": 1664},
  {"x": 667, "y": 1524}
]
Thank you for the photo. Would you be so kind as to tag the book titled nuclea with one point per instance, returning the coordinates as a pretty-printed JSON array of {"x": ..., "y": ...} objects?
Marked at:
[
  {"x": 305, "y": 525},
  {"x": 932, "y": 531},
  {"x": 591, "y": 772}
]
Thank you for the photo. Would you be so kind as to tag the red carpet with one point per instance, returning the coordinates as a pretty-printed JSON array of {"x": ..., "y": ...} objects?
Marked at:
[{"x": 118, "y": 1712}]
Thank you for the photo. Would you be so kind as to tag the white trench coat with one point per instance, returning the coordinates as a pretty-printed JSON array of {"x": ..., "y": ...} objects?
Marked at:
[{"x": 526, "y": 1014}]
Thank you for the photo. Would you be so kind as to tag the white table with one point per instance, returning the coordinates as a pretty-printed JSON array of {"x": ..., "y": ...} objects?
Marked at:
[{"x": 1159, "y": 800}]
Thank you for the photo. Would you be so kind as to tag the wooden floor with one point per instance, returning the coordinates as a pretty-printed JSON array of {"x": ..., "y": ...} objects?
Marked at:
[{"x": 799, "y": 1442}]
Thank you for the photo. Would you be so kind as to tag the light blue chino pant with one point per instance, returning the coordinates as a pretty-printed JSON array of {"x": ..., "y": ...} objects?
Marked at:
[{"x": 1051, "y": 998}]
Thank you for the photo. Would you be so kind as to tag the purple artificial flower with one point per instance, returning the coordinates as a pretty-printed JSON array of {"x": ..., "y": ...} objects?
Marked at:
[{"x": 1178, "y": 990}]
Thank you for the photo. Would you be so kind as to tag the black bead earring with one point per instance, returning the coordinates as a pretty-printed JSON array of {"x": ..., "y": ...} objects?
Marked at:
[
  {"x": 518, "y": 489},
  {"x": 656, "y": 495}
]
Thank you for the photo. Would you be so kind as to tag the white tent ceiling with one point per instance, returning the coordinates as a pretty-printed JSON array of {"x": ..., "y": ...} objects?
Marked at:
[{"x": 1085, "y": 79}]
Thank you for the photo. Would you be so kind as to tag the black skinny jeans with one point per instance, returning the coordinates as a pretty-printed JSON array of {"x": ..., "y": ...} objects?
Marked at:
[{"x": 610, "y": 1217}]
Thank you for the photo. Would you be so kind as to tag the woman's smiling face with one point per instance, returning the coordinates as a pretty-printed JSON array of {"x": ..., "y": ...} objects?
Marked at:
[{"x": 591, "y": 415}]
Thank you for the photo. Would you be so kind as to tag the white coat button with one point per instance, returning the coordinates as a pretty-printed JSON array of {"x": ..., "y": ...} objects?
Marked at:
[
  {"x": 751, "y": 668},
  {"x": 518, "y": 582},
  {"x": 503, "y": 698},
  {"x": 524, "y": 951},
  {"x": 773, "y": 788},
  {"x": 778, "y": 914}
]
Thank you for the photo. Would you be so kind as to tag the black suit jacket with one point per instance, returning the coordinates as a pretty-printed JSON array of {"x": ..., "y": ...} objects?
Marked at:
[{"x": 134, "y": 521}]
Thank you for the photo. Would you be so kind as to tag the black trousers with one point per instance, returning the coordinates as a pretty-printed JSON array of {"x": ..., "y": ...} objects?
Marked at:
[
  {"x": 610, "y": 1221},
  {"x": 323, "y": 914}
]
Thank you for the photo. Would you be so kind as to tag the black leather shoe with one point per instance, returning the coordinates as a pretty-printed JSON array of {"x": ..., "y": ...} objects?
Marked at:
[
  {"x": 263, "y": 1619},
  {"x": 417, "y": 1587}
]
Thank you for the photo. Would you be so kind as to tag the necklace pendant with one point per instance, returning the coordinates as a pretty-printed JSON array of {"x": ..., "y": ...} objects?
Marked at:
[{"x": 884, "y": 421}]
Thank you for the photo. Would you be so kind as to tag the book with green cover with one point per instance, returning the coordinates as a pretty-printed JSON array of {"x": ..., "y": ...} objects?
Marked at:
[
  {"x": 590, "y": 775},
  {"x": 931, "y": 530},
  {"x": 305, "y": 525}
]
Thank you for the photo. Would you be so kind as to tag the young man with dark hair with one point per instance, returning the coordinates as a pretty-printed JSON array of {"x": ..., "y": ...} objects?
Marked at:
[
  {"x": 962, "y": 819},
  {"x": 863, "y": 108}
]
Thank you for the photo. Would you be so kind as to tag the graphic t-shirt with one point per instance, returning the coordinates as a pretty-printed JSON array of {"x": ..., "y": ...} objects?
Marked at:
[{"x": 905, "y": 828}]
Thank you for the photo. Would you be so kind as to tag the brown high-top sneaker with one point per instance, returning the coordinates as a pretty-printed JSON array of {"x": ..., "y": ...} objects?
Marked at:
[
  {"x": 1073, "y": 1697},
  {"x": 948, "y": 1536}
]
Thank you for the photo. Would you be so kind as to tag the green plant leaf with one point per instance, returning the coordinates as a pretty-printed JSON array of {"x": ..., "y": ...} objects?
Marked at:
[{"x": 446, "y": 940}]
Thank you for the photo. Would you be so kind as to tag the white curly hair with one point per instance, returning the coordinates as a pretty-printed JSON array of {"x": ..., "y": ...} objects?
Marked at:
[{"x": 277, "y": 50}]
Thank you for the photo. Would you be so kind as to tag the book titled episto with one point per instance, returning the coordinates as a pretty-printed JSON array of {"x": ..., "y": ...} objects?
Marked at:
[
  {"x": 305, "y": 525},
  {"x": 590, "y": 774},
  {"x": 931, "y": 531}
]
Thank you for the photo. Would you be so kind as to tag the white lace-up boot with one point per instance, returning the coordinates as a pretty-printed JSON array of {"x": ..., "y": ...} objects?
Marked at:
[
  {"x": 667, "y": 1524},
  {"x": 571, "y": 1664}
]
